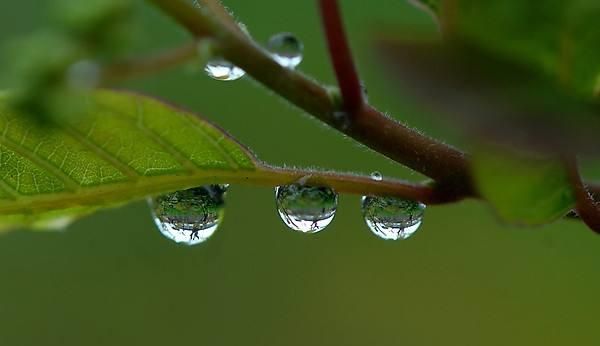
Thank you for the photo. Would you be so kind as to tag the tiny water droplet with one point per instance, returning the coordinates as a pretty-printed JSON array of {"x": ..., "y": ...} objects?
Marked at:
[
  {"x": 189, "y": 216},
  {"x": 224, "y": 187},
  {"x": 342, "y": 119},
  {"x": 307, "y": 209},
  {"x": 286, "y": 49},
  {"x": 392, "y": 218},
  {"x": 244, "y": 28},
  {"x": 376, "y": 176},
  {"x": 221, "y": 69}
]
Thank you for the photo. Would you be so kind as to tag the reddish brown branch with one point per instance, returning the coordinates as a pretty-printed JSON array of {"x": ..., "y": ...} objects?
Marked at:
[
  {"x": 341, "y": 57},
  {"x": 445, "y": 164},
  {"x": 448, "y": 166},
  {"x": 585, "y": 205}
]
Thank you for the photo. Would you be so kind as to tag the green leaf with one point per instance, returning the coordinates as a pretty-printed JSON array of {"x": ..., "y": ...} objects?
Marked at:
[
  {"x": 123, "y": 147},
  {"x": 523, "y": 190},
  {"x": 433, "y": 6},
  {"x": 103, "y": 25},
  {"x": 493, "y": 98},
  {"x": 557, "y": 37}
]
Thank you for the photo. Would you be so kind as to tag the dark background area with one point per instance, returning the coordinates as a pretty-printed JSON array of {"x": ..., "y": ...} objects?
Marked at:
[{"x": 463, "y": 279}]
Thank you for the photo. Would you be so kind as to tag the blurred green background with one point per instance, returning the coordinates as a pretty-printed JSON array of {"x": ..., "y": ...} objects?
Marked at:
[{"x": 463, "y": 279}]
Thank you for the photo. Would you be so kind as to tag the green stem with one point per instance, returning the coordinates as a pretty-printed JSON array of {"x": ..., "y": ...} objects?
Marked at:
[
  {"x": 354, "y": 184},
  {"x": 262, "y": 176}
]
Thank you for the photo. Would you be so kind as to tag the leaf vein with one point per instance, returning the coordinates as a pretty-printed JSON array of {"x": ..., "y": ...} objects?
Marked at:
[
  {"x": 99, "y": 150},
  {"x": 70, "y": 183}
]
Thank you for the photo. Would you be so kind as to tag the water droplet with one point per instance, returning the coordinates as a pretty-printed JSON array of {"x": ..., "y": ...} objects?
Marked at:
[
  {"x": 307, "y": 209},
  {"x": 244, "y": 28},
  {"x": 392, "y": 218},
  {"x": 224, "y": 187},
  {"x": 286, "y": 49},
  {"x": 221, "y": 69},
  {"x": 341, "y": 119},
  {"x": 189, "y": 216},
  {"x": 376, "y": 176},
  {"x": 84, "y": 74}
]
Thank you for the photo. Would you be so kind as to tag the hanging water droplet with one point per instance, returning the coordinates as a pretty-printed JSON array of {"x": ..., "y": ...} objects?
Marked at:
[
  {"x": 376, "y": 176},
  {"x": 307, "y": 209},
  {"x": 189, "y": 216},
  {"x": 221, "y": 69},
  {"x": 392, "y": 218},
  {"x": 286, "y": 49}
]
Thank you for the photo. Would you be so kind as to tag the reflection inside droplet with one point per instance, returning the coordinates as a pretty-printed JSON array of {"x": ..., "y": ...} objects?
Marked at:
[
  {"x": 286, "y": 49},
  {"x": 376, "y": 176},
  {"x": 189, "y": 216},
  {"x": 392, "y": 218},
  {"x": 223, "y": 70},
  {"x": 307, "y": 209}
]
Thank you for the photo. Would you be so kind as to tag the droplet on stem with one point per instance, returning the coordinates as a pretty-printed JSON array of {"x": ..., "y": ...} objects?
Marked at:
[
  {"x": 286, "y": 49},
  {"x": 307, "y": 209},
  {"x": 392, "y": 218},
  {"x": 341, "y": 119},
  {"x": 376, "y": 176},
  {"x": 189, "y": 216},
  {"x": 217, "y": 67},
  {"x": 220, "y": 69}
]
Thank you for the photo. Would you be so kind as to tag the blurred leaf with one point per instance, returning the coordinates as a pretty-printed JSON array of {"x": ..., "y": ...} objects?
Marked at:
[
  {"x": 580, "y": 47},
  {"x": 433, "y": 6},
  {"x": 123, "y": 147},
  {"x": 523, "y": 190},
  {"x": 56, "y": 220},
  {"x": 494, "y": 98},
  {"x": 42, "y": 65},
  {"x": 40, "y": 80},
  {"x": 524, "y": 31},
  {"x": 556, "y": 37},
  {"x": 27, "y": 61},
  {"x": 103, "y": 25}
]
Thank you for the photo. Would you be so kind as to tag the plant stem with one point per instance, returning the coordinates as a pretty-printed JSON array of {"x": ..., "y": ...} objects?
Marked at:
[
  {"x": 339, "y": 52},
  {"x": 219, "y": 11},
  {"x": 586, "y": 207},
  {"x": 450, "y": 167},
  {"x": 439, "y": 161},
  {"x": 263, "y": 175},
  {"x": 354, "y": 184}
]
